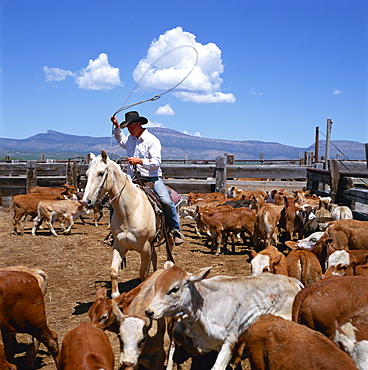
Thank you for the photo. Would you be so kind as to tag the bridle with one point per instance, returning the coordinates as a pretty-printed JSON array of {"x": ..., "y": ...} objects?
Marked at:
[{"x": 106, "y": 172}]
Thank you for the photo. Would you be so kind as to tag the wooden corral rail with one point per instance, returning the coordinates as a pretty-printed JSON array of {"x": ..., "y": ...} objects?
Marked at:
[
  {"x": 16, "y": 178},
  {"x": 346, "y": 184}
]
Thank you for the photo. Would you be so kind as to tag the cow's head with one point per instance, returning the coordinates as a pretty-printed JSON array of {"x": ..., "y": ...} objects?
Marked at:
[
  {"x": 133, "y": 334},
  {"x": 310, "y": 242},
  {"x": 173, "y": 291},
  {"x": 100, "y": 312}
]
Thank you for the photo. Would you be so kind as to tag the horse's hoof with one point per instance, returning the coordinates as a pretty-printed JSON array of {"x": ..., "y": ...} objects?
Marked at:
[{"x": 115, "y": 295}]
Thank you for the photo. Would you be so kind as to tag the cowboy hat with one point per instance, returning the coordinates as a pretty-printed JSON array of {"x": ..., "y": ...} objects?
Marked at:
[{"x": 131, "y": 117}]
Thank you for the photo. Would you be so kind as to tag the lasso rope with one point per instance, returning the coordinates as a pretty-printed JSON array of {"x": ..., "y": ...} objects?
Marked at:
[{"x": 158, "y": 96}]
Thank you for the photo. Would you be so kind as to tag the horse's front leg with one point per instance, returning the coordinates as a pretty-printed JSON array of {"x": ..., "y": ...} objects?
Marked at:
[
  {"x": 145, "y": 259},
  {"x": 117, "y": 258}
]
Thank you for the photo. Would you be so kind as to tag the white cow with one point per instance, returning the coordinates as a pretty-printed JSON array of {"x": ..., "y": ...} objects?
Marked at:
[
  {"x": 346, "y": 262},
  {"x": 309, "y": 242},
  {"x": 53, "y": 209},
  {"x": 141, "y": 340},
  {"x": 216, "y": 312},
  {"x": 341, "y": 212}
]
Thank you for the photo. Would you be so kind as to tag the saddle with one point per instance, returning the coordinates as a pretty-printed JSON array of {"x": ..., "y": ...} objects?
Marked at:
[{"x": 155, "y": 199}]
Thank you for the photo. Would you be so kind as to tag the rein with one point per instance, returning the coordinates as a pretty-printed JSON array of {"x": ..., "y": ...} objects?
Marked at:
[{"x": 118, "y": 193}]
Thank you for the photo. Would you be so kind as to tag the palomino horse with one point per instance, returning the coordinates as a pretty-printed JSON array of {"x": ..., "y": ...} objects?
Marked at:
[{"x": 134, "y": 224}]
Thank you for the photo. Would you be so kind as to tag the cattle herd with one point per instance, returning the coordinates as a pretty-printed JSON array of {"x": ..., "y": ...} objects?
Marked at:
[{"x": 304, "y": 305}]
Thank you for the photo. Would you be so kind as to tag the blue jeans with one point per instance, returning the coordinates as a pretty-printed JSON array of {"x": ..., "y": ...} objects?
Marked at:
[{"x": 168, "y": 205}]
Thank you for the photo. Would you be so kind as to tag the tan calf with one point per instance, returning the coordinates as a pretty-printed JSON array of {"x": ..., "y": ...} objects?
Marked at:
[{"x": 51, "y": 210}]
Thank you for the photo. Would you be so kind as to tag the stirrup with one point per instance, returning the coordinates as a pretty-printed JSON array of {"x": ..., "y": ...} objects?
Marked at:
[{"x": 176, "y": 232}]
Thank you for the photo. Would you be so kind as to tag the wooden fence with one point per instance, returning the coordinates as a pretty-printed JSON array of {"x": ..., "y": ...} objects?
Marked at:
[
  {"x": 345, "y": 182},
  {"x": 185, "y": 177}
]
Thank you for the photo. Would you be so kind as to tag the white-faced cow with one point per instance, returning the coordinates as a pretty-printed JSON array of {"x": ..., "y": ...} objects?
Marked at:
[{"x": 215, "y": 312}]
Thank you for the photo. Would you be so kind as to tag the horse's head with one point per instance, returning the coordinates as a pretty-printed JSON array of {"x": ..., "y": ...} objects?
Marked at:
[{"x": 98, "y": 182}]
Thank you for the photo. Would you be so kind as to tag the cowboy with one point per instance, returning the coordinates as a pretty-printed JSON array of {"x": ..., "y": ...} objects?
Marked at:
[{"x": 144, "y": 152}]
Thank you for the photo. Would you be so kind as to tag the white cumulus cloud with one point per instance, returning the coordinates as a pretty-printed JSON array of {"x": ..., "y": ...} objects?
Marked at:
[
  {"x": 56, "y": 74},
  {"x": 197, "y": 134},
  {"x": 165, "y": 110},
  {"x": 154, "y": 124},
  {"x": 171, "y": 57},
  {"x": 98, "y": 75},
  {"x": 337, "y": 92},
  {"x": 217, "y": 97}
]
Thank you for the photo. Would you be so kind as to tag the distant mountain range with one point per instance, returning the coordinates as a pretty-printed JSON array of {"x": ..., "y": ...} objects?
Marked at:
[{"x": 175, "y": 145}]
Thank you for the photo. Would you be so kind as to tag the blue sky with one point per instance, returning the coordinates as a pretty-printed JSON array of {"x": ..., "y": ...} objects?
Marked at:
[{"x": 266, "y": 70}]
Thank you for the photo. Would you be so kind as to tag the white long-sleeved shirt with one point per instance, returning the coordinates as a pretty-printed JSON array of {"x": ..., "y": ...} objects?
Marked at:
[{"x": 147, "y": 147}]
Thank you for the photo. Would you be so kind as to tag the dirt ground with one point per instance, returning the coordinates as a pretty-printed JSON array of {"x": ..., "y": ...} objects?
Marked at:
[{"x": 79, "y": 263}]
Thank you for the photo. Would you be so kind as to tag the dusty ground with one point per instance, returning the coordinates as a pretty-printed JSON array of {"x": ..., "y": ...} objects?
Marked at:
[{"x": 79, "y": 263}]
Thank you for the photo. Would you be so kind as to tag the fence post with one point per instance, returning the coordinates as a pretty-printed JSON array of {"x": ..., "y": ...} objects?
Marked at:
[
  {"x": 71, "y": 177},
  {"x": 31, "y": 175},
  {"x": 308, "y": 158},
  {"x": 74, "y": 173},
  {"x": 335, "y": 181},
  {"x": 220, "y": 172}
]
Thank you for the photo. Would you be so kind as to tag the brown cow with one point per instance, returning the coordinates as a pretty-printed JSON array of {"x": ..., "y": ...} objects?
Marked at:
[
  {"x": 100, "y": 313},
  {"x": 277, "y": 197},
  {"x": 291, "y": 221},
  {"x": 236, "y": 220},
  {"x": 22, "y": 310},
  {"x": 305, "y": 198},
  {"x": 248, "y": 194},
  {"x": 38, "y": 273},
  {"x": 268, "y": 217},
  {"x": 322, "y": 210},
  {"x": 65, "y": 191},
  {"x": 304, "y": 266},
  {"x": 5, "y": 365},
  {"x": 86, "y": 347},
  {"x": 330, "y": 300},
  {"x": 274, "y": 343},
  {"x": 341, "y": 234},
  {"x": 27, "y": 204},
  {"x": 194, "y": 197},
  {"x": 270, "y": 260}
]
